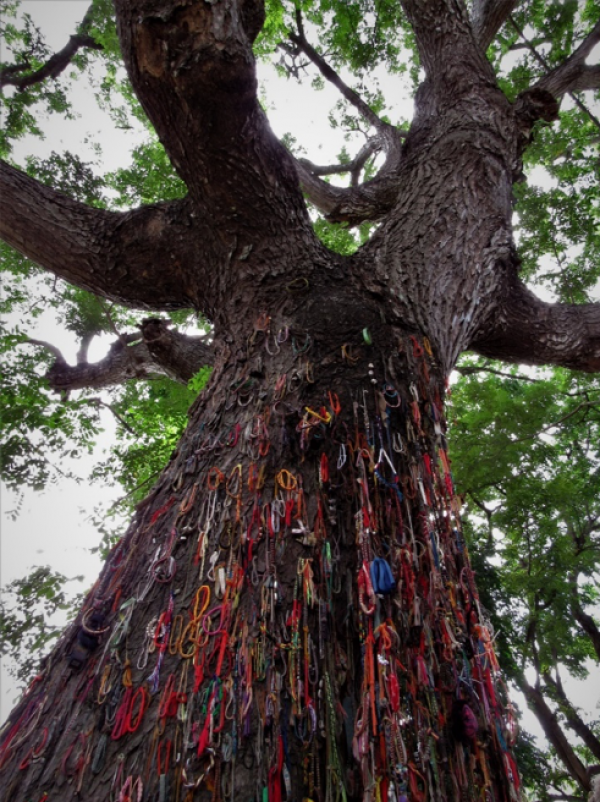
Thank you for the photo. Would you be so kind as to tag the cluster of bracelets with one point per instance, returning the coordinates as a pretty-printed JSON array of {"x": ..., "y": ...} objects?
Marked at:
[{"x": 292, "y": 614}]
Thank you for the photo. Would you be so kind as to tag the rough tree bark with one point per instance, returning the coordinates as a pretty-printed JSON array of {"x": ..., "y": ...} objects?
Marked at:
[{"x": 292, "y": 611}]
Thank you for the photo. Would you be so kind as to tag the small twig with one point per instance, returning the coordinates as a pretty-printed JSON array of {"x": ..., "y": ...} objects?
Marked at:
[
  {"x": 113, "y": 325},
  {"x": 468, "y": 370},
  {"x": 98, "y": 402},
  {"x": 48, "y": 346},
  {"x": 526, "y": 45},
  {"x": 131, "y": 492},
  {"x": 583, "y": 405},
  {"x": 54, "y": 467}
]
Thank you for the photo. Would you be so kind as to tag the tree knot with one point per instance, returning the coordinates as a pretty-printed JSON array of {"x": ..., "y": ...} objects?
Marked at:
[
  {"x": 536, "y": 104},
  {"x": 154, "y": 329}
]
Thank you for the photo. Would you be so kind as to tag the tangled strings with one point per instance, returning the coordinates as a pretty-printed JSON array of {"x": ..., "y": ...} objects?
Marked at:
[{"x": 319, "y": 622}]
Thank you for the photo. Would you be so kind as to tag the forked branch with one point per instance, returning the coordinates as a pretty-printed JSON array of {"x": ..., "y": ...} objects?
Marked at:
[
  {"x": 373, "y": 199},
  {"x": 192, "y": 68},
  {"x": 155, "y": 351},
  {"x": 353, "y": 167},
  {"x": 56, "y": 64}
]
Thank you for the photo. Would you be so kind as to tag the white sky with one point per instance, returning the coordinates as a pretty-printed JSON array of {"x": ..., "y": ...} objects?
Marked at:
[{"x": 52, "y": 527}]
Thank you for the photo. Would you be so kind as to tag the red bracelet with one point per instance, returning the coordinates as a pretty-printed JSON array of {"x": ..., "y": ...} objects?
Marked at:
[{"x": 145, "y": 699}]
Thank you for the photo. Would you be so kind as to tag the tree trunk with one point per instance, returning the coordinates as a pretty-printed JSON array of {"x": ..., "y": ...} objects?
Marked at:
[{"x": 292, "y": 613}]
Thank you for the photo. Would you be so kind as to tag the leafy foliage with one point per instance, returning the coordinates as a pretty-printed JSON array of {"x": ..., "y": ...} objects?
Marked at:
[
  {"x": 23, "y": 43},
  {"x": 560, "y": 222},
  {"x": 527, "y": 457},
  {"x": 527, "y": 460},
  {"x": 558, "y": 208},
  {"x": 155, "y": 414},
  {"x": 33, "y": 612},
  {"x": 38, "y": 430},
  {"x": 150, "y": 176}
]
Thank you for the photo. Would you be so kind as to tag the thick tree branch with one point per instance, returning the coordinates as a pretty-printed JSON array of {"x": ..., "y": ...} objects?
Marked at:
[
  {"x": 574, "y": 75},
  {"x": 586, "y": 74},
  {"x": 449, "y": 53},
  {"x": 157, "y": 351},
  {"x": 487, "y": 17},
  {"x": 527, "y": 330},
  {"x": 179, "y": 355},
  {"x": 353, "y": 205},
  {"x": 56, "y": 64},
  {"x": 155, "y": 257},
  {"x": 56, "y": 352},
  {"x": 193, "y": 70}
]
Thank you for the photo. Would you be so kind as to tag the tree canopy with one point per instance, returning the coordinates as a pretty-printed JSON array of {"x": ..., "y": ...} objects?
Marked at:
[{"x": 525, "y": 443}]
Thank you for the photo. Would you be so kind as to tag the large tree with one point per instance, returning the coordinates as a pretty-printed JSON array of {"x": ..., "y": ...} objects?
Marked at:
[{"x": 292, "y": 612}]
